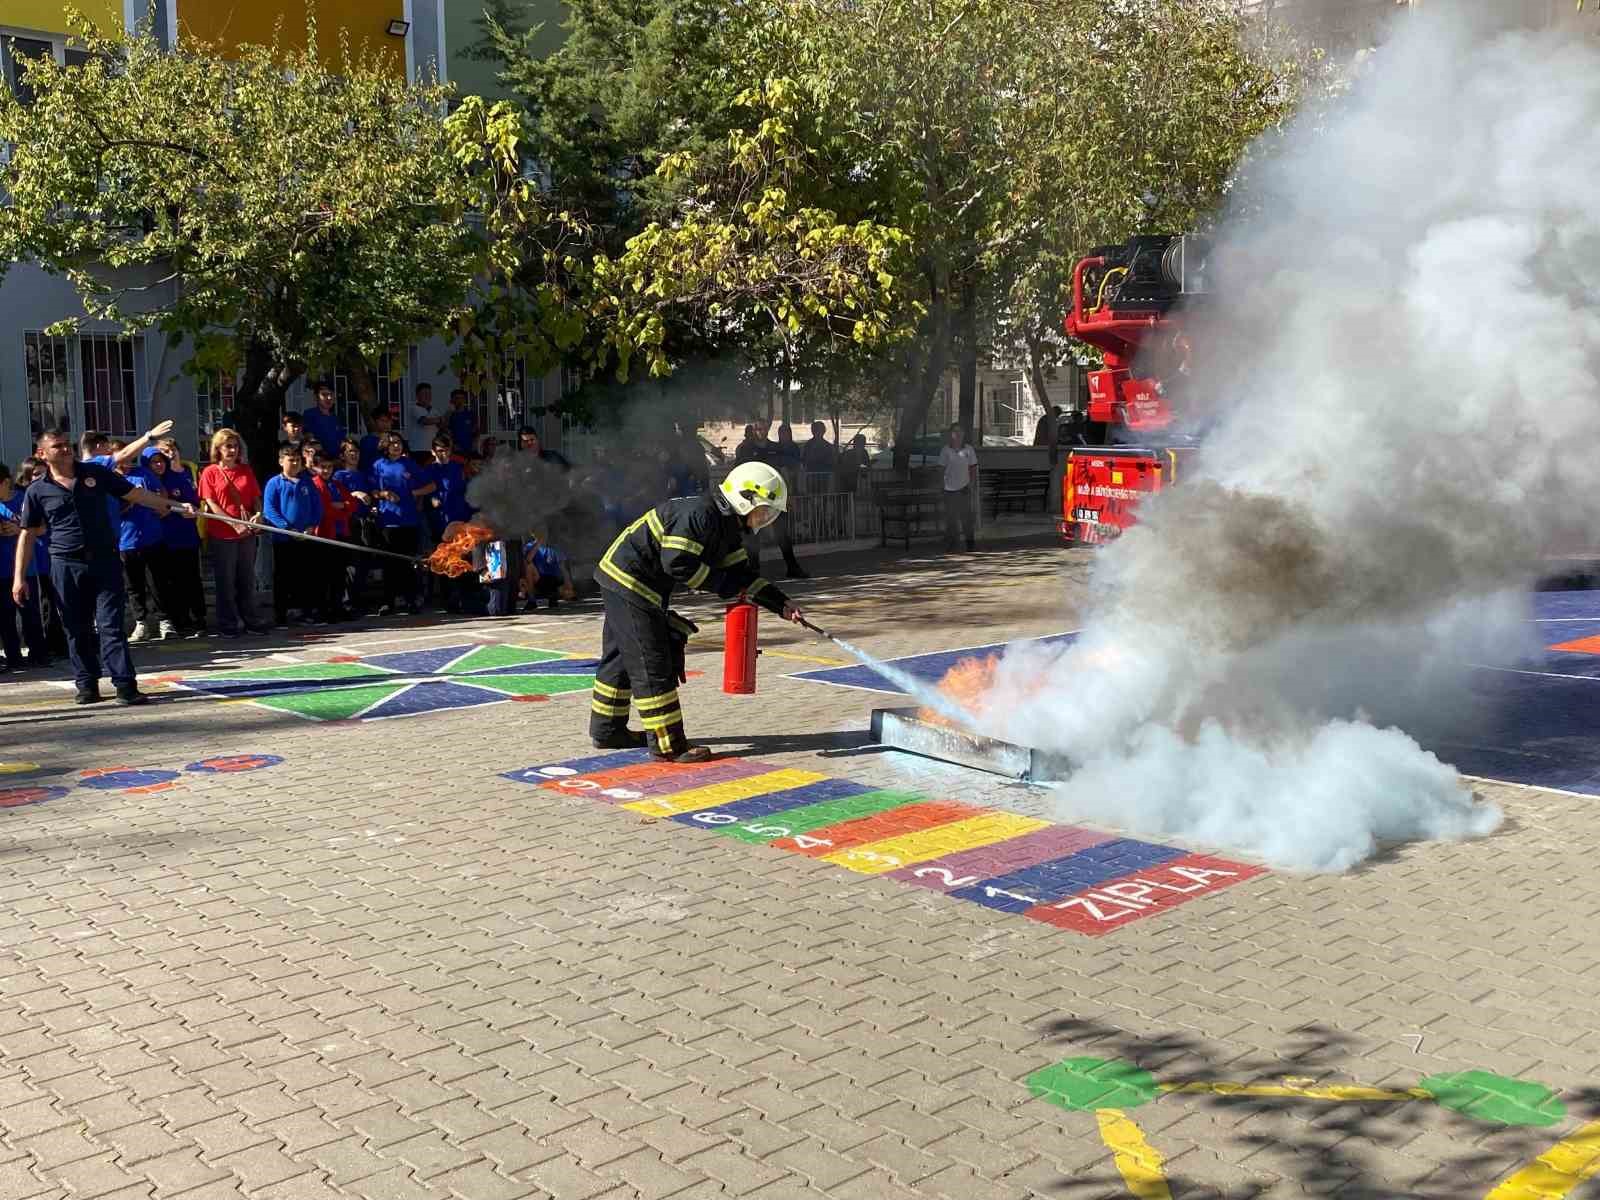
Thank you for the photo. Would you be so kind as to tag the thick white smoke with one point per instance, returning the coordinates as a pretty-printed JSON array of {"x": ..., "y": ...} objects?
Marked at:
[{"x": 1403, "y": 350}]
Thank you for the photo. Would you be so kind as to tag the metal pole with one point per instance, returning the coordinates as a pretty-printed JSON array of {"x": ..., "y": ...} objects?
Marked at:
[{"x": 311, "y": 537}]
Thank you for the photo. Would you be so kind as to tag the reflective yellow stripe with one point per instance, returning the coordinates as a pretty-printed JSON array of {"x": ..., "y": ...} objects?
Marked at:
[
  {"x": 662, "y": 720},
  {"x": 605, "y": 689},
  {"x": 1334, "y": 1091},
  {"x": 673, "y": 542},
  {"x": 729, "y": 560},
  {"x": 629, "y": 582},
  {"x": 892, "y": 853},
  {"x": 608, "y": 710},
  {"x": 756, "y": 588},
  {"x": 651, "y": 703},
  {"x": 667, "y": 741},
  {"x": 714, "y": 794},
  {"x": 655, "y": 524},
  {"x": 699, "y": 576}
]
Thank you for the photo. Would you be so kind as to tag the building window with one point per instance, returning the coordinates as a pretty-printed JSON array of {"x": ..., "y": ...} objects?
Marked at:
[
  {"x": 51, "y": 388},
  {"x": 18, "y": 51},
  {"x": 395, "y": 372},
  {"x": 109, "y": 378},
  {"x": 511, "y": 401},
  {"x": 213, "y": 401}
]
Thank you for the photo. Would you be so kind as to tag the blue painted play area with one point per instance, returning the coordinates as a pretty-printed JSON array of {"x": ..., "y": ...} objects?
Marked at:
[{"x": 1537, "y": 723}]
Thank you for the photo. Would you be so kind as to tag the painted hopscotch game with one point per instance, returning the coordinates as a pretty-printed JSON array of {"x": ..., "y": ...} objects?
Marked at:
[
  {"x": 405, "y": 684},
  {"x": 1082, "y": 880}
]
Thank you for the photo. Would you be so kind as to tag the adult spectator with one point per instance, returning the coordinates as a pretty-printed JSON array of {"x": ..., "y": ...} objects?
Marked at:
[
  {"x": 852, "y": 461},
  {"x": 10, "y": 611},
  {"x": 529, "y": 442},
  {"x": 68, "y": 503},
  {"x": 424, "y": 421},
  {"x": 228, "y": 487},
  {"x": 960, "y": 464},
  {"x": 787, "y": 453},
  {"x": 400, "y": 483},
  {"x": 696, "y": 471},
  {"x": 1045, "y": 432},
  {"x": 144, "y": 564},
  {"x": 461, "y": 424},
  {"x": 322, "y": 423},
  {"x": 185, "y": 601},
  {"x": 817, "y": 456},
  {"x": 290, "y": 502},
  {"x": 747, "y": 449}
]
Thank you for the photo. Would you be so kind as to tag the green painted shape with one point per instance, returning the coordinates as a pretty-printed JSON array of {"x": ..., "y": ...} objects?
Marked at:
[
  {"x": 331, "y": 704},
  {"x": 300, "y": 671},
  {"x": 1485, "y": 1096},
  {"x": 532, "y": 685},
  {"x": 485, "y": 657},
  {"x": 815, "y": 816},
  {"x": 1085, "y": 1084}
]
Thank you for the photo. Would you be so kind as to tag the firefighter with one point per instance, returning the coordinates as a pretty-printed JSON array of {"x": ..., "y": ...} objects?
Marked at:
[{"x": 697, "y": 541}]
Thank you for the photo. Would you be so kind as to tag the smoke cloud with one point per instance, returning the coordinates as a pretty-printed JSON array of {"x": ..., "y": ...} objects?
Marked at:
[{"x": 1403, "y": 347}]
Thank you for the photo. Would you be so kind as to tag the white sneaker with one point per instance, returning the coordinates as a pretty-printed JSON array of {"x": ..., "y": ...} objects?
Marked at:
[
  {"x": 168, "y": 630},
  {"x": 141, "y": 632}
]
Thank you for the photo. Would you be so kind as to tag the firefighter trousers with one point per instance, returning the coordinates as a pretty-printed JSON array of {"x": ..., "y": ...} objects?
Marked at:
[{"x": 638, "y": 665}]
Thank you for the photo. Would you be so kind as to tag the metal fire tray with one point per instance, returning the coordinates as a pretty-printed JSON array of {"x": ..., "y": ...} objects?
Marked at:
[{"x": 902, "y": 729}]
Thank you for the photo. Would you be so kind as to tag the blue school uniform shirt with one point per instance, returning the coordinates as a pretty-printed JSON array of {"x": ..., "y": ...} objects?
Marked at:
[
  {"x": 370, "y": 453},
  {"x": 323, "y": 429},
  {"x": 140, "y": 527},
  {"x": 547, "y": 561},
  {"x": 401, "y": 476},
  {"x": 353, "y": 480},
  {"x": 11, "y": 510},
  {"x": 452, "y": 494},
  {"x": 463, "y": 426},
  {"x": 291, "y": 504},
  {"x": 177, "y": 531}
]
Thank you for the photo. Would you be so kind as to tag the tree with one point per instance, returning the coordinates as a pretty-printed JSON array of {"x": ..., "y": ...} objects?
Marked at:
[
  {"x": 747, "y": 262},
  {"x": 1008, "y": 136},
  {"x": 278, "y": 211}
]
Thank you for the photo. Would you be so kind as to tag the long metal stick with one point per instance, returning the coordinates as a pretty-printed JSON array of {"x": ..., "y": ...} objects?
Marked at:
[{"x": 413, "y": 559}]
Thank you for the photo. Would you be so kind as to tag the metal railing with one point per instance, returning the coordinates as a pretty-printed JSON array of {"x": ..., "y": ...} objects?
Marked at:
[{"x": 822, "y": 517}]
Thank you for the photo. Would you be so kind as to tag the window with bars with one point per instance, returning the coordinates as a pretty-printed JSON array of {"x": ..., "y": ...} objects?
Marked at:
[
  {"x": 16, "y": 53},
  {"x": 109, "y": 376},
  {"x": 47, "y": 364},
  {"x": 510, "y": 407},
  {"x": 213, "y": 402}
]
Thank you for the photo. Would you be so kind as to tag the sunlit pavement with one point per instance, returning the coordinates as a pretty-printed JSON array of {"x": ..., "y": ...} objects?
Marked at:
[{"x": 363, "y": 914}]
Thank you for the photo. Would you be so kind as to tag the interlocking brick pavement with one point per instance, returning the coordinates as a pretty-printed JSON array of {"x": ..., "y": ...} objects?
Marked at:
[{"x": 380, "y": 969}]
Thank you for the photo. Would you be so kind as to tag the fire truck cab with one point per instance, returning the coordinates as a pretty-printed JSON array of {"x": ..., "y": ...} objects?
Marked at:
[{"x": 1126, "y": 300}]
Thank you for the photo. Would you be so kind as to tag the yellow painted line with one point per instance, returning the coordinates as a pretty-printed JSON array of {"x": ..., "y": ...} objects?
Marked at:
[
  {"x": 1571, "y": 1161},
  {"x": 810, "y": 658},
  {"x": 1139, "y": 1163},
  {"x": 16, "y": 768},
  {"x": 875, "y": 858},
  {"x": 724, "y": 793},
  {"x": 1344, "y": 1092}
]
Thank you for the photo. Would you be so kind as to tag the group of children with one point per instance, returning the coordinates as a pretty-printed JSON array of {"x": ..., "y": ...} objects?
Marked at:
[{"x": 365, "y": 491}]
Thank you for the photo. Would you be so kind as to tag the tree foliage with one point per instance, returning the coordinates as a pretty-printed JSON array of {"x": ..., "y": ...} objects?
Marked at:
[{"x": 278, "y": 211}]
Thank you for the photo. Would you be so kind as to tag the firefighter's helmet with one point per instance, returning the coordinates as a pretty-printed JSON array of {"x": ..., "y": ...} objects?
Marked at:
[{"x": 753, "y": 484}]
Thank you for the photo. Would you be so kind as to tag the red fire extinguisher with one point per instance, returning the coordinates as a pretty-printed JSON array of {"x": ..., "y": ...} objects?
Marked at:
[{"x": 739, "y": 649}]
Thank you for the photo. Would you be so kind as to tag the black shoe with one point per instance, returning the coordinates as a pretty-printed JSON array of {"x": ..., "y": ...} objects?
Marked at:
[
  {"x": 628, "y": 739},
  {"x": 694, "y": 754},
  {"x": 92, "y": 696},
  {"x": 972, "y": 545},
  {"x": 131, "y": 697}
]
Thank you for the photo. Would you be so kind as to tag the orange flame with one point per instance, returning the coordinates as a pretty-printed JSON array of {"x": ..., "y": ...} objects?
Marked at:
[
  {"x": 968, "y": 683},
  {"x": 453, "y": 555}
]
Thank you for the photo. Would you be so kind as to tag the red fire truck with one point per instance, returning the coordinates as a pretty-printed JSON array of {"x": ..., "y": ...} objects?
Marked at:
[{"x": 1128, "y": 299}]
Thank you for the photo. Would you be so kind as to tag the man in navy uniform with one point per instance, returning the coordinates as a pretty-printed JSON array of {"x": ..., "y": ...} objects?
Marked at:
[{"x": 69, "y": 502}]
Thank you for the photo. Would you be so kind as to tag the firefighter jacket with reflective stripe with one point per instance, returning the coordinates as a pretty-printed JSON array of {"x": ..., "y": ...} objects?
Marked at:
[{"x": 696, "y": 541}]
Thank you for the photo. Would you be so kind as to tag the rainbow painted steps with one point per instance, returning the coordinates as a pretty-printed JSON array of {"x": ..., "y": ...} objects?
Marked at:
[{"x": 1078, "y": 879}]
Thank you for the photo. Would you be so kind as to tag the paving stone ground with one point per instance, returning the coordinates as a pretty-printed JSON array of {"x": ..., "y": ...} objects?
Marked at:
[{"x": 381, "y": 969}]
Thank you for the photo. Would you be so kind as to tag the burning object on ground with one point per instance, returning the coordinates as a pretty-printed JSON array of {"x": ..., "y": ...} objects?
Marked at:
[{"x": 452, "y": 557}]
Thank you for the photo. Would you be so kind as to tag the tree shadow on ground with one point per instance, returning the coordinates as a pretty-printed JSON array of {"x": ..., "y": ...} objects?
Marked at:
[{"x": 1302, "y": 1146}]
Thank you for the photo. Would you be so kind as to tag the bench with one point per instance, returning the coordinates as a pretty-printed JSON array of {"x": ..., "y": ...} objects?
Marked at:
[
  {"x": 1015, "y": 487},
  {"x": 907, "y": 506}
]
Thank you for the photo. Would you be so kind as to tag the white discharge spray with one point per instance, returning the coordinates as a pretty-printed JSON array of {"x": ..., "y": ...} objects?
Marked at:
[
  {"x": 929, "y": 697},
  {"x": 1401, "y": 358}
]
